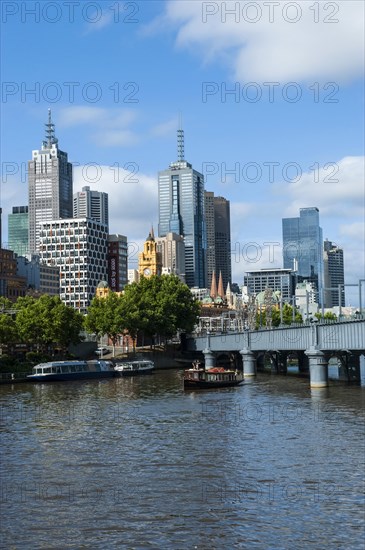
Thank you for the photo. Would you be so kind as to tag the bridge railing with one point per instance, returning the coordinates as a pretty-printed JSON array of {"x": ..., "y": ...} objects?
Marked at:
[{"x": 340, "y": 335}]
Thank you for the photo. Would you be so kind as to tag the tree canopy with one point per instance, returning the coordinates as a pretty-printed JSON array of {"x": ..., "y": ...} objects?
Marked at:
[
  {"x": 47, "y": 322},
  {"x": 160, "y": 305}
]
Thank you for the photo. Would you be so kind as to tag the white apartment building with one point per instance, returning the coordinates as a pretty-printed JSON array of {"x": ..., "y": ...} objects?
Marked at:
[{"x": 79, "y": 247}]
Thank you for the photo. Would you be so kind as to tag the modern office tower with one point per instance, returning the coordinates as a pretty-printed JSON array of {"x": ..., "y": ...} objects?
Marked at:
[
  {"x": 117, "y": 262},
  {"x": 278, "y": 280},
  {"x": 172, "y": 250},
  {"x": 210, "y": 231},
  {"x": 181, "y": 211},
  {"x": 18, "y": 240},
  {"x": 79, "y": 247},
  {"x": 91, "y": 204},
  {"x": 50, "y": 185},
  {"x": 218, "y": 228},
  {"x": 303, "y": 247},
  {"x": 333, "y": 275},
  {"x": 222, "y": 222}
]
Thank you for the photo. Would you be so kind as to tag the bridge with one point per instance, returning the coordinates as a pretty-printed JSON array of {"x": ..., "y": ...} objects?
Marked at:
[{"x": 313, "y": 343}]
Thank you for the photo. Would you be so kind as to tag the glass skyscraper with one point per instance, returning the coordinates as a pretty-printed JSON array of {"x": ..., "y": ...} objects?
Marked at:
[
  {"x": 303, "y": 247},
  {"x": 181, "y": 211},
  {"x": 49, "y": 185},
  {"x": 18, "y": 230}
]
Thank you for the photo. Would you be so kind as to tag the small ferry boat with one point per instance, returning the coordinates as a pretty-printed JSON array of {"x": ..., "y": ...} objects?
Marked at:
[
  {"x": 200, "y": 378},
  {"x": 135, "y": 367},
  {"x": 71, "y": 370}
]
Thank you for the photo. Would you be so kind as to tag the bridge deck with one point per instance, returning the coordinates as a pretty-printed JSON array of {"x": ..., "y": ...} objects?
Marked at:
[{"x": 344, "y": 335}]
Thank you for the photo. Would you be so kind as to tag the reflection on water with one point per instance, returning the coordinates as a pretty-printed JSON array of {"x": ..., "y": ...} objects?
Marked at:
[{"x": 138, "y": 463}]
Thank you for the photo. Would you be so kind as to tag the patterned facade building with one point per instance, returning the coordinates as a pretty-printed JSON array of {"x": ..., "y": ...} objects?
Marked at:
[{"x": 79, "y": 247}]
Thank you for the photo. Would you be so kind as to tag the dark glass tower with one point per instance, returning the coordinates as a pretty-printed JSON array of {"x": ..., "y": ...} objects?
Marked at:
[
  {"x": 181, "y": 211},
  {"x": 303, "y": 247},
  {"x": 333, "y": 275}
]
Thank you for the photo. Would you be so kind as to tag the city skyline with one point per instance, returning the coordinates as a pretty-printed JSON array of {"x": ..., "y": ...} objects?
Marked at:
[{"x": 269, "y": 155}]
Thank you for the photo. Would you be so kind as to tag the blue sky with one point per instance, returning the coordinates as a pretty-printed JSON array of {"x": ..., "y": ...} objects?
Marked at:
[{"x": 116, "y": 75}]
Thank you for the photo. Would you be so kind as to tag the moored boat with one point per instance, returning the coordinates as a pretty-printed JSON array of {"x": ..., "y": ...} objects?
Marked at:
[
  {"x": 134, "y": 368},
  {"x": 55, "y": 371},
  {"x": 217, "y": 377}
]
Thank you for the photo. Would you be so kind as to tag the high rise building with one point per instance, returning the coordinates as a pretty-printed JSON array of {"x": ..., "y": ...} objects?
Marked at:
[
  {"x": 222, "y": 223},
  {"x": 172, "y": 249},
  {"x": 334, "y": 275},
  {"x": 79, "y": 247},
  {"x": 218, "y": 228},
  {"x": 117, "y": 262},
  {"x": 210, "y": 231},
  {"x": 303, "y": 247},
  {"x": 18, "y": 239},
  {"x": 181, "y": 211},
  {"x": 49, "y": 185},
  {"x": 91, "y": 204}
]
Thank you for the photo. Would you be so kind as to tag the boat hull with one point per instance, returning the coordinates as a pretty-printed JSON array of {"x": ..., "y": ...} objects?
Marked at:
[
  {"x": 70, "y": 376},
  {"x": 134, "y": 373},
  {"x": 208, "y": 385}
]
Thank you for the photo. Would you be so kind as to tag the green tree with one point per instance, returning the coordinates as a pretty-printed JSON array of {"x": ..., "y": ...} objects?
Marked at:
[
  {"x": 276, "y": 317},
  {"x": 329, "y": 316},
  {"x": 8, "y": 330},
  {"x": 47, "y": 322},
  {"x": 106, "y": 316},
  {"x": 160, "y": 305}
]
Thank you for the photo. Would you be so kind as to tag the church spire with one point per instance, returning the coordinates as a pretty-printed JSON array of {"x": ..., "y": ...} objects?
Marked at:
[
  {"x": 220, "y": 286},
  {"x": 213, "y": 288}
]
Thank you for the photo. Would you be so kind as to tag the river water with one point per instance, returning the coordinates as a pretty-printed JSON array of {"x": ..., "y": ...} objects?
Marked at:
[{"x": 140, "y": 464}]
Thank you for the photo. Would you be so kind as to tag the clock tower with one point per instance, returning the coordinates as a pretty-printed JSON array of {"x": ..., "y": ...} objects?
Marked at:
[{"x": 150, "y": 261}]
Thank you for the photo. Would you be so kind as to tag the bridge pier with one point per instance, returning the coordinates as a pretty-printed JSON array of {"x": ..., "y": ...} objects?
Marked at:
[
  {"x": 249, "y": 363},
  {"x": 349, "y": 369},
  {"x": 318, "y": 368},
  {"x": 209, "y": 358}
]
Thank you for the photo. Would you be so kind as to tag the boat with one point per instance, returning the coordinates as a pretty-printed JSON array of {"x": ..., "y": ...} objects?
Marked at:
[
  {"x": 201, "y": 378},
  {"x": 71, "y": 370},
  {"x": 134, "y": 367}
]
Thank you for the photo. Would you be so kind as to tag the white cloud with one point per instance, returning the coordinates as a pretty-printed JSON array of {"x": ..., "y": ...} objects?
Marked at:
[
  {"x": 285, "y": 42},
  {"x": 108, "y": 127},
  {"x": 167, "y": 128},
  {"x": 132, "y": 198},
  {"x": 336, "y": 189},
  {"x": 353, "y": 230},
  {"x": 257, "y": 228}
]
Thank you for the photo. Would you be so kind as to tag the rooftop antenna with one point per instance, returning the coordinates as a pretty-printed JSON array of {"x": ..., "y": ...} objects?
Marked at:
[
  {"x": 50, "y": 132},
  {"x": 180, "y": 142}
]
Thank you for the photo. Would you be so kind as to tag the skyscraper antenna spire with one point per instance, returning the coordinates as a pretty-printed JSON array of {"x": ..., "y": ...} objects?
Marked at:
[
  {"x": 50, "y": 131},
  {"x": 180, "y": 141}
]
